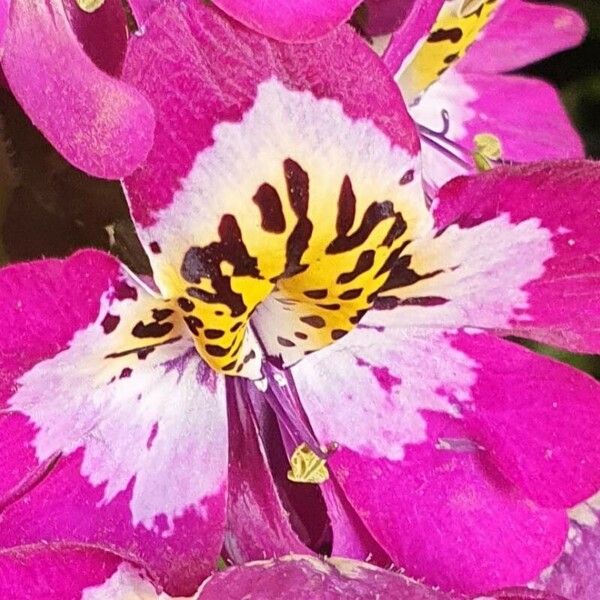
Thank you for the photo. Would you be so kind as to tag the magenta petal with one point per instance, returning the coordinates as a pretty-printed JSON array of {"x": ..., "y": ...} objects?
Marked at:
[
  {"x": 55, "y": 572},
  {"x": 308, "y": 578},
  {"x": 142, "y": 9},
  {"x": 103, "y": 33},
  {"x": 414, "y": 462},
  {"x": 445, "y": 517},
  {"x": 257, "y": 524},
  {"x": 522, "y": 33},
  {"x": 4, "y": 8},
  {"x": 299, "y": 21},
  {"x": 103, "y": 444},
  {"x": 101, "y": 125},
  {"x": 411, "y": 32},
  {"x": 539, "y": 420}
]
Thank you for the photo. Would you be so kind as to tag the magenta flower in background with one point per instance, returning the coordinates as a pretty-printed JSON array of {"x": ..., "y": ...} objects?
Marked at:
[
  {"x": 305, "y": 293},
  {"x": 62, "y": 65},
  {"x": 455, "y": 90}
]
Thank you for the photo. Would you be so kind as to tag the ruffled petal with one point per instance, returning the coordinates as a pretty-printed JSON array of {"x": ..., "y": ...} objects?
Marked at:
[
  {"x": 101, "y": 125},
  {"x": 306, "y": 578},
  {"x": 300, "y": 21},
  {"x": 113, "y": 430},
  {"x": 470, "y": 452},
  {"x": 516, "y": 250},
  {"x": 522, "y": 33},
  {"x": 237, "y": 178},
  {"x": 102, "y": 33},
  {"x": 525, "y": 114}
]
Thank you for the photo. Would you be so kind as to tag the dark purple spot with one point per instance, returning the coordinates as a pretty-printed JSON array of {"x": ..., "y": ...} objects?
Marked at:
[
  {"x": 152, "y": 436},
  {"x": 329, "y": 306},
  {"x": 285, "y": 342},
  {"x": 316, "y": 294},
  {"x": 314, "y": 321},
  {"x": 300, "y": 335},
  {"x": 351, "y": 294},
  {"x": 336, "y": 334},
  {"x": 346, "y": 208},
  {"x": 213, "y": 334},
  {"x": 124, "y": 291},
  {"x": 453, "y": 35},
  {"x": 363, "y": 264},
  {"x": 407, "y": 177},
  {"x": 236, "y": 326},
  {"x": 126, "y": 372},
  {"x": 269, "y": 203},
  {"x": 155, "y": 248},
  {"x": 194, "y": 324},
  {"x": 185, "y": 304},
  {"x": 160, "y": 314},
  {"x": 151, "y": 330},
  {"x": 109, "y": 323}
]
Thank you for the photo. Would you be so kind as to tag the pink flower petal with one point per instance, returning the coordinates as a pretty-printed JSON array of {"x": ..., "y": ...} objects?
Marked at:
[
  {"x": 307, "y": 578},
  {"x": 103, "y": 33},
  {"x": 257, "y": 524},
  {"x": 451, "y": 499},
  {"x": 4, "y": 8},
  {"x": 114, "y": 431},
  {"x": 299, "y": 21},
  {"x": 522, "y": 33},
  {"x": 101, "y": 125},
  {"x": 524, "y": 113},
  {"x": 384, "y": 16},
  {"x": 53, "y": 572},
  {"x": 539, "y": 420}
]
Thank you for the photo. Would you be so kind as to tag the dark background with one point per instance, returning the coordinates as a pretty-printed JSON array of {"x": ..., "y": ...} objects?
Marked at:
[{"x": 577, "y": 74}]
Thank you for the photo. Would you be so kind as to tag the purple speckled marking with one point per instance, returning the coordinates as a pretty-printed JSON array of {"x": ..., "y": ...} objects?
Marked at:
[{"x": 152, "y": 436}]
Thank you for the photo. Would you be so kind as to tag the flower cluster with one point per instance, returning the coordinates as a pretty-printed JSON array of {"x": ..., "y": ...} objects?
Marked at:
[{"x": 352, "y": 212}]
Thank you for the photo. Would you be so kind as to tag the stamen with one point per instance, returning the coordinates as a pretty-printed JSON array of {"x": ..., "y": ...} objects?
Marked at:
[
  {"x": 440, "y": 141},
  {"x": 307, "y": 467}
]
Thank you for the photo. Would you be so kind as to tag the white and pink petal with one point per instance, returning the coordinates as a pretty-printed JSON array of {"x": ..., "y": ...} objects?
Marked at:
[
  {"x": 104, "y": 405},
  {"x": 514, "y": 250},
  {"x": 525, "y": 114},
  {"x": 464, "y": 459}
]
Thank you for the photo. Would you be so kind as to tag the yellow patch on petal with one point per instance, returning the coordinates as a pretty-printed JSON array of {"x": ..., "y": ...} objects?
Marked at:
[
  {"x": 455, "y": 29},
  {"x": 307, "y": 467},
  {"x": 89, "y": 6}
]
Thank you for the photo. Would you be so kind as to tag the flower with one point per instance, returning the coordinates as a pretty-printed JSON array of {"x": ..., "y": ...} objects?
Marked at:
[
  {"x": 62, "y": 65},
  {"x": 450, "y": 60},
  {"x": 300, "y": 271}
]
